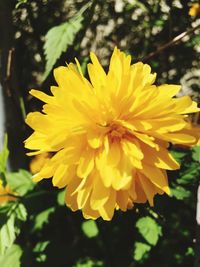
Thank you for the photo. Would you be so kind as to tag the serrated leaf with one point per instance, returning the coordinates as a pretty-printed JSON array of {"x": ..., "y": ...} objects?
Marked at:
[
  {"x": 180, "y": 193},
  {"x": 149, "y": 229},
  {"x": 59, "y": 38},
  {"x": 141, "y": 251},
  {"x": 7, "y": 234},
  {"x": 10, "y": 216},
  {"x": 4, "y": 155},
  {"x": 190, "y": 175},
  {"x": 21, "y": 212},
  {"x": 20, "y": 182},
  {"x": 178, "y": 155},
  {"x": 196, "y": 153},
  {"x": 90, "y": 228},
  {"x": 42, "y": 218},
  {"x": 12, "y": 257}
]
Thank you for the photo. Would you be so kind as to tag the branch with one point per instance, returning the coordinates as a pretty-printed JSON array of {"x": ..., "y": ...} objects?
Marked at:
[{"x": 171, "y": 43}]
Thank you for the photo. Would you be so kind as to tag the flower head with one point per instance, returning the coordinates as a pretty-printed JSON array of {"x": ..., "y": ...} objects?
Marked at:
[
  {"x": 109, "y": 136},
  {"x": 194, "y": 10}
]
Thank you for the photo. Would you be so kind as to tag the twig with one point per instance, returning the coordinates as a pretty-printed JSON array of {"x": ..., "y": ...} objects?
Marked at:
[
  {"x": 173, "y": 42},
  {"x": 8, "y": 71},
  {"x": 9, "y": 63},
  {"x": 87, "y": 21}
]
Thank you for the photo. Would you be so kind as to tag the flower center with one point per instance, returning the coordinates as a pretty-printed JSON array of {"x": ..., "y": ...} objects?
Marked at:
[{"x": 116, "y": 132}]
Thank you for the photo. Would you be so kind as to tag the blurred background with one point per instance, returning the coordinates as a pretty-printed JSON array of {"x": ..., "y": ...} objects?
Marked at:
[{"x": 35, "y": 37}]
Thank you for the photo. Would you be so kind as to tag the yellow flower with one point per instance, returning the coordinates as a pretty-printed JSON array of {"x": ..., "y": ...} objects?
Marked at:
[
  {"x": 109, "y": 135},
  {"x": 38, "y": 162},
  {"x": 6, "y": 193},
  {"x": 194, "y": 10}
]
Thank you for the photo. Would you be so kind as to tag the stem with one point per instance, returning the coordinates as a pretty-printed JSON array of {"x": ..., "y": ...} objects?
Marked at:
[
  {"x": 171, "y": 43},
  {"x": 34, "y": 194}
]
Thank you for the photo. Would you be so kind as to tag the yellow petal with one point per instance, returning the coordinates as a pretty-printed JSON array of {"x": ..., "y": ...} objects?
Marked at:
[
  {"x": 122, "y": 200},
  {"x": 86, "y": 163},
  {"x": 42, "y": 96},
  {"x": 148, "y": 188},
  {"x": 169, "y": 90},
  {"x": 107, "y": 210},
  {"x": 114, "y": 154},
  {"x": 100, "y": 194},
  {"x": 157, "y": 177}
]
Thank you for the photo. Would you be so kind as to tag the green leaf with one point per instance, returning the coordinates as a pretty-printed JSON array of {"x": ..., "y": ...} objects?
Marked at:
[
  {"x": 42, "y": 218},
  {"x": 149, "y": 229},
  {"x": 141, "y": 251},
  {"x": 180, "y": 193},
  {"x": 190, "y": 252},
  {"x": 61, "y": 198},
  {"x": 196, "y": 153},
  {"x": 20, "y": 182},
  {"x": 90, "y": 228},
  {"x": 7, "y": 234},
  {"x": 10, "y": 216},
  {"x": 60, "y": 37},
  {"x": 21, "y": 212},
  {"x": 87, "y": 262},
  {"x": 178, "y": 155},
  {"x": 41, "y": 246},
  {"x": 190, "y": 174},
  {"x": 4, "y": 155},
  {"x": 11, "y": 257},
  {"x": 39, "y": 250}
]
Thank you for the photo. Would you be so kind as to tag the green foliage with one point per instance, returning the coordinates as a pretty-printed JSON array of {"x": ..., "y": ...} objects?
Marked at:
[
  {"x": 178, "y": 155},
  {"x": 20, "y": 182},
  {"x": 59, "y": 38},
  {"x": 11, "y": 257},
  {"x": 7, "y": 234},
  {"x": 61, "y": 198},
  {"x": 180, "y": 192},
  {"x": 196, "y": 153},
  {"x": 90, "y": 228},
  {"x": 141, "y": 251},
  {"x": 190, "y": 251},
  {"x": 20, "y": 212},
  {"x": 42, "y": 218},
  {"x": 88, "y": 263},
  {"x": 39, "y": 250},
  {"x": 10, "y": 216},
  {"x": 149, "y": 229}
]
